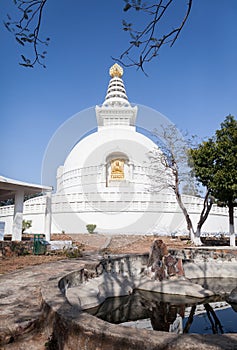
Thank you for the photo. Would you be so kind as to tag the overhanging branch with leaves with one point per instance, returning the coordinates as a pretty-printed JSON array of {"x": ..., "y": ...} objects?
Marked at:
[
  {"x": 27, "y": 30},
  {"x": 146, "y": 42}
]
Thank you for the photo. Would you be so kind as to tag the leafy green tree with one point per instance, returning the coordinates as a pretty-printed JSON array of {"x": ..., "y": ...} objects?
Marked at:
[{"x": 215, "y": 165}]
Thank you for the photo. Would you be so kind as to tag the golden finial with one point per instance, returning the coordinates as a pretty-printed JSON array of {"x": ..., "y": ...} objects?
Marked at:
[{"x": 116, "y": 71}]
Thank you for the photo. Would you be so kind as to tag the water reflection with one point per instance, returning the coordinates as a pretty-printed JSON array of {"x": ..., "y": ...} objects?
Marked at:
[
  {"x": 163, "y": 316},
  {"x": 170, "y": 313}
]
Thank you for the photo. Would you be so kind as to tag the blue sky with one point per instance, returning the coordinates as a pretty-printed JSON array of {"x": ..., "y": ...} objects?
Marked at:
[{"x": 193, "y": 84}]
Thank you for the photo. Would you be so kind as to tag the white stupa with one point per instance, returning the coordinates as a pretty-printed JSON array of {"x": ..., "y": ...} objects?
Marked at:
[
  {"x": 106, "y": 171},
  {"x": 105, "y": 181}
]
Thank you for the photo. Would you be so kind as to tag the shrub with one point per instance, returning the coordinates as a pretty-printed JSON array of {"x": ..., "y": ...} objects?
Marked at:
[
  {"x": 73, "y": 253},
  {"x": 90, "y": 228},
  {"x": 26, "y": 224}
]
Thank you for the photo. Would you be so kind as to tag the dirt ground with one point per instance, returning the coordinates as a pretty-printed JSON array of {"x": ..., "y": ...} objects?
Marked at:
[{"x": 116, "y": 244}]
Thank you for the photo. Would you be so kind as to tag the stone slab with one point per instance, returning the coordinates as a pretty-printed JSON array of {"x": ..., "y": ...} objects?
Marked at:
[
  {"x": 95, "y": 291},
  {"x": 175, "y": 287}
]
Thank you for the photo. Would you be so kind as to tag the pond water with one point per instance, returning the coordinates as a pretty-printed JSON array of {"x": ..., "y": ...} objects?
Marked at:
[{"x": 173, "y": 313}]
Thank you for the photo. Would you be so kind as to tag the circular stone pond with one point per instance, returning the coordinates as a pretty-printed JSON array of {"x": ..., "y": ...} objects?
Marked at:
[
  {"x": 117, "y": 290},
  {"x": 172, "y": 313}
]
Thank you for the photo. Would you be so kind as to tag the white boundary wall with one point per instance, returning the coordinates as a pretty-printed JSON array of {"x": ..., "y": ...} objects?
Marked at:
[{"x": 136, "y": 213}]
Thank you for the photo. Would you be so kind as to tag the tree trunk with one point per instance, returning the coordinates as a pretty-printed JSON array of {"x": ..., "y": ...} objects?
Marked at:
[
  {"x": 207, "y": 205},
  {"x": 181, "y": 205},
  {"x": 197, "y": 239},
  {"x": 231, "y": 224},
  {"x": 187, "y": 217}
]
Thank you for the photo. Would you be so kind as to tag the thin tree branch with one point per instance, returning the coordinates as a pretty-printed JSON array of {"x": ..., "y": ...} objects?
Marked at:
[
  {"x": 146, "y": 43},
  {"x": 27, "y": 30}
]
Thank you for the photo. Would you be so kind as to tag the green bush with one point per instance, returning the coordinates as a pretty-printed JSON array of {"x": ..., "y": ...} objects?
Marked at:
[
  {"x": 74, "y": 252},
  {"x": 91, "y": 228},
  {"x": 26, "y": 224}
]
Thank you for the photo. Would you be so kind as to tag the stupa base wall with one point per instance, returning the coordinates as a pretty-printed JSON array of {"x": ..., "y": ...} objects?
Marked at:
[{"x": 162, "y": 223}]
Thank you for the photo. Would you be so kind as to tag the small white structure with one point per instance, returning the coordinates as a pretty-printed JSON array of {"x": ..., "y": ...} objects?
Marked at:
[
  {"x": 12, "y": 223},
  {"x": 105, "y": 178}
]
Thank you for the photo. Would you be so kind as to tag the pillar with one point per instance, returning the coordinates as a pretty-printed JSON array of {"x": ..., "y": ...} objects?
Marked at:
[
  {"x": 231, "y": 224},
  {"x": 2, "y": 228},
  {"x": 232, "y": 240},
  {"x": 48, "y": 215},
  {"x": 18, "y": 216}
]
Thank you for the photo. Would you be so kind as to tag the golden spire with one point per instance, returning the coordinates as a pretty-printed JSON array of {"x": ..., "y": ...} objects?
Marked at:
[{"x": 116, "y": 71}]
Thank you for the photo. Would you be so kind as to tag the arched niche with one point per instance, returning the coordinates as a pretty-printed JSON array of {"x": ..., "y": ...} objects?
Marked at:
[{"x": 117, "y": 169}]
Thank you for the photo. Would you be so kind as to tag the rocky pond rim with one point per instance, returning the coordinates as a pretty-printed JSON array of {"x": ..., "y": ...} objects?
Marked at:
[
  {"x": 93, "y": 293},
  {"x": 34, "y": 282}
]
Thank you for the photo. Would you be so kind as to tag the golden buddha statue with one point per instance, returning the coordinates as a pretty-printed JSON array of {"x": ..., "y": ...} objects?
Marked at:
[{"x": 117, "y": 169}]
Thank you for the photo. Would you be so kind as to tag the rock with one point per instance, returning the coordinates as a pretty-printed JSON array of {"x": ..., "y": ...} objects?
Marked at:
[
  {"x": 157, "y": 252},
  {"x": 232, "y": 298},
  {"x": 162, "y": 264},
  {"x": 8, "y": 252},
  {"x": 234, "y": 307}
]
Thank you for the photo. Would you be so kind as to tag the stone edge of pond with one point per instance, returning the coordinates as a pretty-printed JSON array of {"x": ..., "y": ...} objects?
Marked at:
[{"x": 74, "y": 329}]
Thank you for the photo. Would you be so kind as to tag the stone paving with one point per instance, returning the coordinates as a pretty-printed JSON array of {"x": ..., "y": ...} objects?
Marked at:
[{"x": 21, "y": 298}]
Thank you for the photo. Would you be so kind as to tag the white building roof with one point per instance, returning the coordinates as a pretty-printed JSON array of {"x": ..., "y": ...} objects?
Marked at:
[{"x": 8, "y": 187}]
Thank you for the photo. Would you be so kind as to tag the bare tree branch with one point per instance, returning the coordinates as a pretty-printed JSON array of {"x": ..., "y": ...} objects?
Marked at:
[
  {"x": 146, "y": 43},
  {"x": 172, "y": 156},
  {"x": 27, "y": 30},
  {"x": 170, "y": 167}
]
